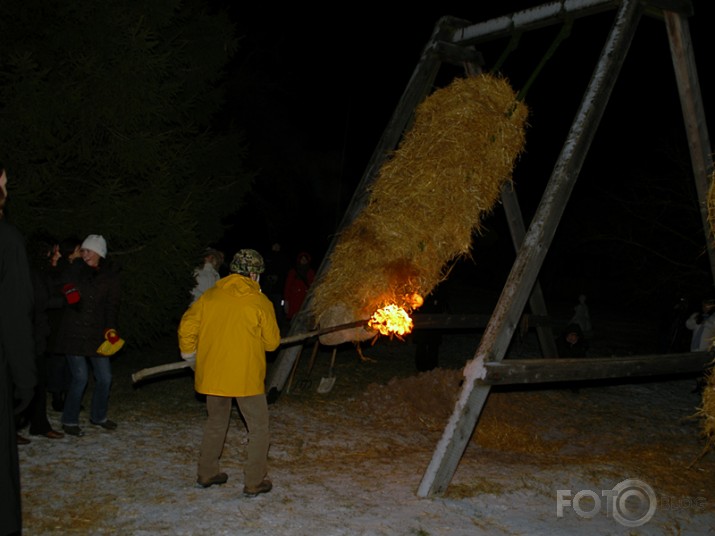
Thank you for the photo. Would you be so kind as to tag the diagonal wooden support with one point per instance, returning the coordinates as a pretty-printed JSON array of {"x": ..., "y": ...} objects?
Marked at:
[
  {"x": 536, "y": 300},
  {"x": 531, "y": 255}
]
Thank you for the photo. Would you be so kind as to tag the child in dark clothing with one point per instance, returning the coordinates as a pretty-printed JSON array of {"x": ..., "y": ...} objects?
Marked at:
[{"x": 572, "y": 342}]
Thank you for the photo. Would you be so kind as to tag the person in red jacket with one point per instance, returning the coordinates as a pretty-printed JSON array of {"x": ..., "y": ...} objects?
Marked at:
[
  {"x": 228, "y": 331},
  {"x": 298, "y": 281}
]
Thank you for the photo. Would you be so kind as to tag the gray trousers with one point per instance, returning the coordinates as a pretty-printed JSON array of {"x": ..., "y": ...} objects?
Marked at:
[{"x": 255, "y": 412}]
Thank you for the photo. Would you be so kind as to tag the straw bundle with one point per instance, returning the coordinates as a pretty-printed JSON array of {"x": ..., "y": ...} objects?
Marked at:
[{"x": 426, "y": 202}]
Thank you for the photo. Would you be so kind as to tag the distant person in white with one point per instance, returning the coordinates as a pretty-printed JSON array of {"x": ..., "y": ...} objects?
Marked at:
[
  {"x": 207, "y": 274},
  {"x": 702, "y": 325},
  {"x": 581, "y": 316}
]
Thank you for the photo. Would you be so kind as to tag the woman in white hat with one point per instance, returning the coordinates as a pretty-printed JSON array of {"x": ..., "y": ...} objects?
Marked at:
[{"x": 92, "y": 290}]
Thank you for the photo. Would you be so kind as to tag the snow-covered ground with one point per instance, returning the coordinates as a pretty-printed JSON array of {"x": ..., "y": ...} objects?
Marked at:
[{"x": 350, "y": 461}]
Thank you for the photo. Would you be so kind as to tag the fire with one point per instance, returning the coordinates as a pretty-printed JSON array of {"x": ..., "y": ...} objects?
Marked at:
[
  {"x": 393, "y": 319},
  {"x": 416, "y": 301}
]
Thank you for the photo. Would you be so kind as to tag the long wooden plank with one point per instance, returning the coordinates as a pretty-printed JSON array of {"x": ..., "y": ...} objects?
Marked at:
[
  {"x": 518, "y": 371},
  {"x": 531, "y": 255}
]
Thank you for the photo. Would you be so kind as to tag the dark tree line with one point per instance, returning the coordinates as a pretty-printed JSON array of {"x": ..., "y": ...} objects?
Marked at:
[{"x": 109, "y": 126}]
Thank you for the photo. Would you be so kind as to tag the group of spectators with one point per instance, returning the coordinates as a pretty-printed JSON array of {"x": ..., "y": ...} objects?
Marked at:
[
  {"x": 58, "y": 320},
  {"x": 76, "y": 292},
  {"x": 59, "y": 305}
]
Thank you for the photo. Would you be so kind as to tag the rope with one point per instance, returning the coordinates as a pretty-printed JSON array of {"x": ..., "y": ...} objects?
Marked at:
[
  {"x": 511, "y": 46},
  {"x": 563, "y": 34}
]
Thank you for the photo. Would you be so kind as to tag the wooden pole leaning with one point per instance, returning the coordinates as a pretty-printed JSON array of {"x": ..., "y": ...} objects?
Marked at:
[{"x": 150, "y": 372}]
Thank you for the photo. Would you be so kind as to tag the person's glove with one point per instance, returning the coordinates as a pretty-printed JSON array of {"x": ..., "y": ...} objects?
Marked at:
[
  {"x": 112, "y": 336},
  {"x": 112, "y": 344},
  {"x": 23, "y": 397},
  {"x": 191, "y": 358},
  {"x": 71, "y": 293}
]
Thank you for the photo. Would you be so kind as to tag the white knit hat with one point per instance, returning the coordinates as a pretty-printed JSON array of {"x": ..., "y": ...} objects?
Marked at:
[{"x": 96, "y": 243}]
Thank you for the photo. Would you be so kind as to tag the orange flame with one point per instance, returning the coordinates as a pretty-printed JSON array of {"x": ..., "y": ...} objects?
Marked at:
[
  {"x": 416, "y": 301},
  {"x": 393, "y": 319}
]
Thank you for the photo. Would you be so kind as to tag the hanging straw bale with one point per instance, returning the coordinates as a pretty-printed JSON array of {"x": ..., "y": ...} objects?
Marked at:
[{"x": 425, "y": 204}]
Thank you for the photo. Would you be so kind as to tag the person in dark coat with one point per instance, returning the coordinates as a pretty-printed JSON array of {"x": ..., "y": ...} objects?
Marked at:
[
  {"x": 44, "y": 254},
  {"x": 92, "y": 290},
  {"x": 298, "y": 280},
  {"x": 572, "y": 342},
  {"x": 17, "y": 364},
  {"x": 59, "y": 378}
]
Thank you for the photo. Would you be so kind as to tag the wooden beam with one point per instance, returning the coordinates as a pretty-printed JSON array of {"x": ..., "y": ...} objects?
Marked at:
[
  {"x": 471, "y": 321},
  {"x": 518, "y": 371},
  {"x": 531, "y": 255},
  {"x": 457, "y": 55},
  {"x": 515, "y": 221},
  {"x": 533, "y": 18}
]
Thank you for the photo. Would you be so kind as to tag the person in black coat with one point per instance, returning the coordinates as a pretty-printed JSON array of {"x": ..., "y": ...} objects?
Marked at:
[
  {"x": 91, "y": 289},
  {"x": 44, "y": 254},
  {"x": 17, "y": 364},
  {"x": 572, "y": 342},
  {"x": 58, "y": 375}
]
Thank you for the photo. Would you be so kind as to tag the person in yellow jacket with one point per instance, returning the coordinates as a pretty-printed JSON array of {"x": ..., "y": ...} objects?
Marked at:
[{"x": 228, "y": 330}]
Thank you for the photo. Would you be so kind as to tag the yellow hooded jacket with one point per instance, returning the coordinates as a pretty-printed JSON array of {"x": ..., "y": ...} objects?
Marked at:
[{"x": 230, "y": 328}]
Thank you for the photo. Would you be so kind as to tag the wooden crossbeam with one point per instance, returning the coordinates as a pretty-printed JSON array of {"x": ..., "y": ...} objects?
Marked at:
[
  {"x": 527, "y": 371},
  {"x": 470, "y": 321}
]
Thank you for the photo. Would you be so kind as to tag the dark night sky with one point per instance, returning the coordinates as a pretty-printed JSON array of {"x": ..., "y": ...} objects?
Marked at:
[{"x": 317, "y": 88}]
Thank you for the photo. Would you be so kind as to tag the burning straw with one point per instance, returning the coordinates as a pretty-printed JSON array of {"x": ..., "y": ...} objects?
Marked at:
[{"x": 427, "y": 200}]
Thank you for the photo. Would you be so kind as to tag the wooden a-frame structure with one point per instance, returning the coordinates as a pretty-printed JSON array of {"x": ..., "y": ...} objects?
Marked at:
[{"x": 453, "y": 41}]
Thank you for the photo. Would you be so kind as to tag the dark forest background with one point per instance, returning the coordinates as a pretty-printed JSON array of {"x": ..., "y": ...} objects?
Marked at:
[{"x": 175, "y": 125}]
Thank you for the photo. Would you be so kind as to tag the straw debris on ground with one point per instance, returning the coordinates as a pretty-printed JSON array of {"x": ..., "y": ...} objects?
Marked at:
[{"x": 349, "y": 462}]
